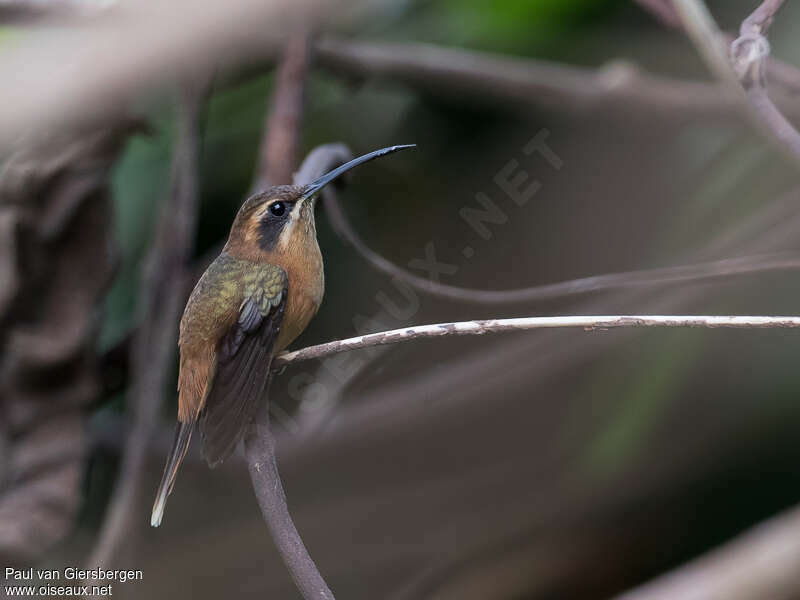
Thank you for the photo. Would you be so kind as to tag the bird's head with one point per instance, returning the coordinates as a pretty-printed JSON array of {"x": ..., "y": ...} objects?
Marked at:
[{"x": 282, "y": 217}]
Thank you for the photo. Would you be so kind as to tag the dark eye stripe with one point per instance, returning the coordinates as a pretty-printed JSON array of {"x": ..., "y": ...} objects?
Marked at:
[{"x": 272, "y": 222}]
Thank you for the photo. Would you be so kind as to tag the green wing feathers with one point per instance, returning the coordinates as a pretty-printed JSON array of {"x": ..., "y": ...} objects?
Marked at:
[
  {"x": 227, "y": 339},
  {"x": 243, "y": 360}
]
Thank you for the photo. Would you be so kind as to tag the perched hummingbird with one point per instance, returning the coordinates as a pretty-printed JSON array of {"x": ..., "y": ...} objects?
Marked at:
[{"x": 252, "y": 301}]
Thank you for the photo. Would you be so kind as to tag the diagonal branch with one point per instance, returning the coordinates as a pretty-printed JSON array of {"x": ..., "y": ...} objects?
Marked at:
[{"x": 482, "y": 327}]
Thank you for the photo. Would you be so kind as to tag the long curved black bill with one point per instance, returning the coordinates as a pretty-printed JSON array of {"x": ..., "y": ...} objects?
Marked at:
[{"x": 315, "y": 186}]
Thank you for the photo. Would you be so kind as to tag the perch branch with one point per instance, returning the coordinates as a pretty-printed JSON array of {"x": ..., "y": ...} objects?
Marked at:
[
  {"x": 260, "y": 452},
  {"x": 276, "y": 166},
  {"x": 160, "y": 302},
  {"x": 591, "y": 323}
]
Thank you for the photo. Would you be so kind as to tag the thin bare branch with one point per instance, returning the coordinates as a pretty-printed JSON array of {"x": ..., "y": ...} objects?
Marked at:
[
  {"x": 482, "y": 327},
  {"x": 762, "y": 563},
  {"x": 705, "y": 271},
  {"x": 160, "y": 303},
  {"x": 330, "y": 155}
]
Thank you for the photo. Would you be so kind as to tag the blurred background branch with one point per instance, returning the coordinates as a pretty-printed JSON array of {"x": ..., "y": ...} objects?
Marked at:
[
  {"x": 284, "y": 122},
  {"x": 525, "y": 83},
  {"x": 160, "y": 304}
]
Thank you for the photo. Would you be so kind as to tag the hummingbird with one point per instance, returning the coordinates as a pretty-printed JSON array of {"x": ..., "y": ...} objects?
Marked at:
[{"x": 256, "y": 297}]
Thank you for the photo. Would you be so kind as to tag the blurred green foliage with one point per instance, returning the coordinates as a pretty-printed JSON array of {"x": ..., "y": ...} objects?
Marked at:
[{"x": 511, "y": 26}]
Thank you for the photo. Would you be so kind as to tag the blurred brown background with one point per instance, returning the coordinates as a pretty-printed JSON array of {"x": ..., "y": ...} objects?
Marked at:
[{"x": 552, "y": 464}]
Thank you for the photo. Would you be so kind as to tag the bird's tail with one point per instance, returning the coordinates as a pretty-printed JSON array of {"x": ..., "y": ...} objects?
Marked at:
[{"x": 183, "y": 434}]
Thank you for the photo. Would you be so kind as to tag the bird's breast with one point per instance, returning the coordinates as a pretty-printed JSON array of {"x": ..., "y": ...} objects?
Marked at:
[{"x": 306, "y": 288}]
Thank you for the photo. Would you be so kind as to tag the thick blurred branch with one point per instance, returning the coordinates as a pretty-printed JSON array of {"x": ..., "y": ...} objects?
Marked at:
[
  {"x": 279, "y": 149},
  {"x": 161, "y": 300},
  {"x": 56, "y": 261},
  {"x": 263, "y": 467},
  {"x": 481, "y": 327},
  {"x": 152, "y": 44},
  {"x": 526, "y": 82},
  {"x": 762, "y": 563}
]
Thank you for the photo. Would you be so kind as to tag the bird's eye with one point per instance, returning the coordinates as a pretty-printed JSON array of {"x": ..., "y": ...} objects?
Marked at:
[{"x": 277, "y": 208}]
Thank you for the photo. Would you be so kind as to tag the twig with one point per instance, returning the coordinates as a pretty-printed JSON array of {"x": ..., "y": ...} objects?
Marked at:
[
  {"x": 761, "y": 18},
  {"x": 596, "y": 283},
  {"x": 278, "y": 152},
  {"x": 762, "y": 563},
  {"x": 526, "y": 82},
  {"x": 160, "y": 302},
  {"x": 328, "y": 156},
  {"x": 481, "y": 327},
  {"x": 784, "y": 76},
  {"x": 744, "y": 71},
  {"x": 259, "y": 443}
]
